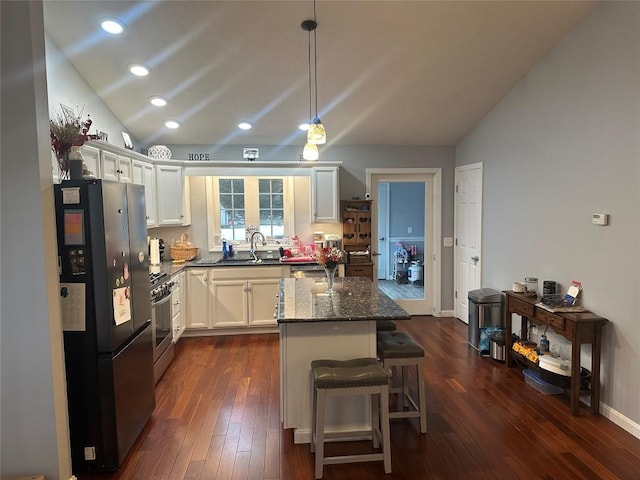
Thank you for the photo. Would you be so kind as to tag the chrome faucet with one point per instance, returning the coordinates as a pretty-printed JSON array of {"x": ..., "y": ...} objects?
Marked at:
[{"x": 252, "y": 250}]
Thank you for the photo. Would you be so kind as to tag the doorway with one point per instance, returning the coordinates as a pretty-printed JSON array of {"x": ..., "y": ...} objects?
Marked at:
[{"x": 405, "y": 229}]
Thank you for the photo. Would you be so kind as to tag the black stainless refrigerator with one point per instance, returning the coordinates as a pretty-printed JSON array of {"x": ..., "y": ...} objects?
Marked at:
[{"x": 106, "y": 315}]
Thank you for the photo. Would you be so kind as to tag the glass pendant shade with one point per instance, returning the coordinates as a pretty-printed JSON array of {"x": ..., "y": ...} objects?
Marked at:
[
  {"x": 316, "y": 133},
  {"x": 310, "y": 152}
]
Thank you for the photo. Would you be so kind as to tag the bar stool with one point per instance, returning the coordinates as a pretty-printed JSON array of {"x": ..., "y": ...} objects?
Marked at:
[
  {"x": 398, "y": 349},
  {"x": 359, "y": 376},
  {"x": 385, "y": 326}
]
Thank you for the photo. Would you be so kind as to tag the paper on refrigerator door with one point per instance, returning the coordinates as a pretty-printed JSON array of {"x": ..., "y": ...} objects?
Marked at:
[
  {"x": 121, "y": 305},
  {"x": 72, "y": 300}
]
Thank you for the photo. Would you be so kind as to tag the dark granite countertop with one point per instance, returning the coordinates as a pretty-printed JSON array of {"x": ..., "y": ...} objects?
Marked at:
[
  {"x": 353, "y": 298},
  {"x": 216, "y": 261}
]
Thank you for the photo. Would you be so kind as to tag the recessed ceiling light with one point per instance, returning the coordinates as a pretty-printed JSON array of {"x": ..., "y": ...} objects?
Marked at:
[
  {"x": 245, "y": 125},
  {"x": 173, "y": 124},
  {"x": 112, "y": 26},
  {"x": 139, "y": 70},
  {"x": 158, "y": 101},
  {"x": 304, "y": 127}
]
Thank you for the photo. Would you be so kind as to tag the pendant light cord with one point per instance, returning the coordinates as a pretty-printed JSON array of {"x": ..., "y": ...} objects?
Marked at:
[
  {"x": 310, "y": 85},
  {"x": 315, "y": 58}
]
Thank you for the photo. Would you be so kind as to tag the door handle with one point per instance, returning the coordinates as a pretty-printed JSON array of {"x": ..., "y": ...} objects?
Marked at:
[
  {"x": 475, "y": 259},
  {"x": 376, "y": 254},
  {"x": 381, "y": 239}
]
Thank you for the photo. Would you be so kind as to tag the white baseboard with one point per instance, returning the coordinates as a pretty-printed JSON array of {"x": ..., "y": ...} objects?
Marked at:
[
  {"x": 623, "y": 422},
  {"x": 213, "y": 332},
  {"x": 444, "y": 313}
]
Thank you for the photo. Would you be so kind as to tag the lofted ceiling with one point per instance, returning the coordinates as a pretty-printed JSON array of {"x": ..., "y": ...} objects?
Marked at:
[{"x": 389, "y": 72}]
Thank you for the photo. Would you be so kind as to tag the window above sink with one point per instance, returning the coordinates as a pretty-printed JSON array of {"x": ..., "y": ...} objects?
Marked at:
[{"x": 237, "y": 206}]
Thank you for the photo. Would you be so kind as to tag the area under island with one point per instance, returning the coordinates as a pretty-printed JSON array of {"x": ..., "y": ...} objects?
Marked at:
[{"x": 315, "y": 323}]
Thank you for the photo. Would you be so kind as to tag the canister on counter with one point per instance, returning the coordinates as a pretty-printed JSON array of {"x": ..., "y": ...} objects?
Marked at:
[
  {"x": 531, "y": 285},
  {"x": 549, "y": 287}
]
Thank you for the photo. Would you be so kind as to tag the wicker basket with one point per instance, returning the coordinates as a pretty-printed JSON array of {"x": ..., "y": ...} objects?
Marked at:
[{"x": 183, "y": 249}]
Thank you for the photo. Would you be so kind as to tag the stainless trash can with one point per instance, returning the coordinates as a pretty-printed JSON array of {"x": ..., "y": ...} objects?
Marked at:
[
  {"x": 497, "y": 345},
  {"x": 485, "y": 317}
]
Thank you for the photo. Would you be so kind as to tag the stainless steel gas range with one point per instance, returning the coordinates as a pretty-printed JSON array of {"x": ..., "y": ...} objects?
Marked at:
[{"x": 161, "y": 286}]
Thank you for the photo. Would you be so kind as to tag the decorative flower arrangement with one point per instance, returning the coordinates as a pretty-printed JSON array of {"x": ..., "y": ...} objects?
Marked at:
[
  {"x": 68, "y": 129},
  {"x": 328, "y": 257}
]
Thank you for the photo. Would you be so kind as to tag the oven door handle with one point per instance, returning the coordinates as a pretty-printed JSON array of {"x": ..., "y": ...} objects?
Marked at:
[{"x": 160, "y": 302}]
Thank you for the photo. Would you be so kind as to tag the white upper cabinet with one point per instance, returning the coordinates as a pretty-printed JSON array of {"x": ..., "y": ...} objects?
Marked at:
[
  {"x": 325, "y": 201},
  {"x": 125, "y": 173},
  {"x": 91, "y": 158},
  {"x": 143, "y": 173},
  {"x": 115, "y": 167},
  {"x": 170, "y": 188}
]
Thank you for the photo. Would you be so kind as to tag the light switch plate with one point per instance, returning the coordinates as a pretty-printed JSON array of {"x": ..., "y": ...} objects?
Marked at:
[{"x": 447, "y": 241}]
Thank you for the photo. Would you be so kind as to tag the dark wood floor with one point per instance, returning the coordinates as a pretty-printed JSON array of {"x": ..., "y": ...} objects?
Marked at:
[{"x": 218, "y": 418}]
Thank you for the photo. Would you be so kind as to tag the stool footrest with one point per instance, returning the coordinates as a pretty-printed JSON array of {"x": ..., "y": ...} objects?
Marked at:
[{"x": 365, "y": 457}]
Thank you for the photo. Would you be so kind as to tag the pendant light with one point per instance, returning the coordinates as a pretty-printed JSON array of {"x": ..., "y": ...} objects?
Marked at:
[
  {"x": 316, "y": 133},
  {"x": 310, "y": 151}
]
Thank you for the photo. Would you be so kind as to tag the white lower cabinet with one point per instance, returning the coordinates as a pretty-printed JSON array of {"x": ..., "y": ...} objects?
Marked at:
[
  {"x": 198, "y": 298},
  {"x": 228, "y": 303},
  {"x": 178, "y": 305},
  {"x": 234, "y": 297},
  {"x": 262, "y": 301}
]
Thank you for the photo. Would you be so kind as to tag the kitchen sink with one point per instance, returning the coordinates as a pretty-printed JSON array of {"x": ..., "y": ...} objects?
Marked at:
[
  {"x": 248, "y": 261},
  {"x": 242, "y": 259}
]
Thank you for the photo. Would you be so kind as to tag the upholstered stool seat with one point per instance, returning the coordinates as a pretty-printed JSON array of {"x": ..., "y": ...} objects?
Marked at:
[
  {"x": 385, "y": 326},
  {"x": 359, "y": 376},
  {"x": 398, "y": 349}
]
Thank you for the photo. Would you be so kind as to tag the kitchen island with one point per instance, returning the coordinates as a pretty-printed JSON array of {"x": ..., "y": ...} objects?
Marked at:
[{"x": 317, "y": 324}]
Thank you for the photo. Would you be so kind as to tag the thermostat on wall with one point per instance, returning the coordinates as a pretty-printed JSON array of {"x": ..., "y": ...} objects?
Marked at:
[{"x": 600, "y": 219}]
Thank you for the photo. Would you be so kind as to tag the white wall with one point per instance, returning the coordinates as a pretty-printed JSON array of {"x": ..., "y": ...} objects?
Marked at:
[
  {"x": 34, "y": 428},
  {"x": 66, "y": 86},
  {"x": 563, "y": 144}
]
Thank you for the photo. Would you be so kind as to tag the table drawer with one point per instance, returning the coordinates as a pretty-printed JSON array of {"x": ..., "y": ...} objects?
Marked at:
[
  {"x": 359, "y": 271},
  {"x": 549, "y": 318},
  {"x": 521, "y": 308}
]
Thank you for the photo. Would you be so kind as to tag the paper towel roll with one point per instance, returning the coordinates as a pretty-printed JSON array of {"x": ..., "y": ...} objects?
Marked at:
[{"x": 154, "y": 254}]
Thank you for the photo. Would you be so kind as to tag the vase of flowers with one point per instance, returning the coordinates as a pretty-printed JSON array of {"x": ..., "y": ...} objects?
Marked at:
[
  {"x": 69, "y": 131},
  {"x": 329, "y": 258}
]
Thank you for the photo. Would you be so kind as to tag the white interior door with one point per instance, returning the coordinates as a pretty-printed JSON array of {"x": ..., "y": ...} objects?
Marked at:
[
  {"x": 429, "y": 303},
  {"x": 468, "y": 235}
]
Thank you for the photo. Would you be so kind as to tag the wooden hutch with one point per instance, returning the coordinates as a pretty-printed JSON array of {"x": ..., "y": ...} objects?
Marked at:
[{"x": 356, "y": 238}]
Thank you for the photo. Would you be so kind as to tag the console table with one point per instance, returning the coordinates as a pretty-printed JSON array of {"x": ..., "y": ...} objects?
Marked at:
[{"x": 577, "y": 327}]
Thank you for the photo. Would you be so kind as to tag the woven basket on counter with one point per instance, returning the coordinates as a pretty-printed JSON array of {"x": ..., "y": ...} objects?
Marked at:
[{"x": 183, "y": 249}]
